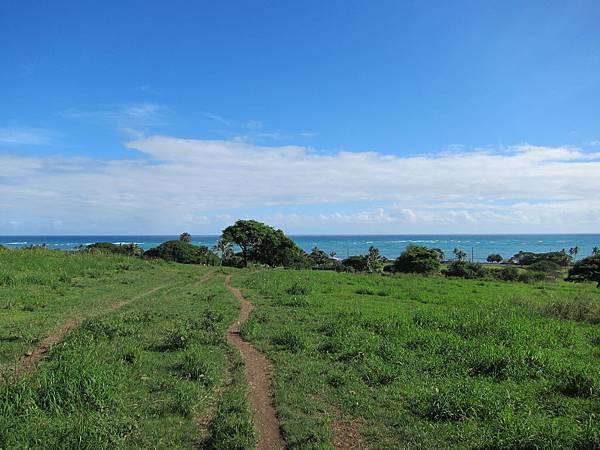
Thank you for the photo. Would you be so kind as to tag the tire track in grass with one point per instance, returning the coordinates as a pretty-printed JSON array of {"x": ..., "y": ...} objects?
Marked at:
[
  {"x": 33, "y": 356},
  {"x": 258, "y": 372}
]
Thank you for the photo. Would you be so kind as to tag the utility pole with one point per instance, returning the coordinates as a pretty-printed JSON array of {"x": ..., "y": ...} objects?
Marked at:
[{"x": 472, "y": 249}]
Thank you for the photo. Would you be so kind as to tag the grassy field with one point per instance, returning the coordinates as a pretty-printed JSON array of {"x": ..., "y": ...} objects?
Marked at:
[
  {"x": 360, "y": 361},
  {"x": 149, "y": 374},
  {"x": 414, "y": 362}
]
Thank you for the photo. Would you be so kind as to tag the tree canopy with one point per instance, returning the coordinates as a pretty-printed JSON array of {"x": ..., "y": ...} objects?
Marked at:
[
  {"x": 459, "y": 254},
  {"x": 494, "y": 258},
  {"x": 418, "y": 259},
  {"x": 263, "y": 244},
  {"x": 374, "y": 260}
]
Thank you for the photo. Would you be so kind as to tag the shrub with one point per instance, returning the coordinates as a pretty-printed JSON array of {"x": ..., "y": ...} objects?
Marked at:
[
  {"x": 233, "y": 261},
  {"x": 588, "y": 269},
  {"x": 183, "y": 252},
  {"x": 356, "y": 263},
  {"x": 321, "y": 260},
  {"x": 417, "y": 259},
  {"x": 464, "y": 269},
  {"x": 545, "y": 266},
  {"x": 528, "y": 258},
  {"x": 532, "y": 277},
  {"x": 507, "y": 274},
  {"x": 116, "y": 249}
]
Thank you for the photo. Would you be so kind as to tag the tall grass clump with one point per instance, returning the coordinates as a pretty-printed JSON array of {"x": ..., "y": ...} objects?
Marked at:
[
  {"x": 198, "y": 364},
  {"x": 298, "y": 288},
  {"x": 579, "y": 309}
]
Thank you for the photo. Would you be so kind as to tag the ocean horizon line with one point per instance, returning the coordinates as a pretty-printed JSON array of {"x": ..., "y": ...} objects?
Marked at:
[{"x": 306, "y": 235}]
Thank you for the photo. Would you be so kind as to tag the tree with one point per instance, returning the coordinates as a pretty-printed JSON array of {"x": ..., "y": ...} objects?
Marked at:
[
  {"x": 224, "y": 249},
  {"x": 185, "y": 237},
  {"x": 587, "y": 269},
  {"x": 596, "y": 251},
  {"x": 318, "y": 257},
  {"x": 375, "y": 261},
  {"x": 573, "y": 251},
  {"x": 247, "y": 234},
  {"x": 494, "y": 258},
  {"x": 322, "y": 260},
  {"x": 459, "y": 254},
  {"x": 264, "y": 244},
  {"x": 440, "y": 253},
  {"x": 418, "y": 259}
]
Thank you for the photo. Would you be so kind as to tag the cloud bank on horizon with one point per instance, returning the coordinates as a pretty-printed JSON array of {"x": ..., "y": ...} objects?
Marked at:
[
  {"x": 405, "y": 117},
  {"x": 168, "y": 184}
]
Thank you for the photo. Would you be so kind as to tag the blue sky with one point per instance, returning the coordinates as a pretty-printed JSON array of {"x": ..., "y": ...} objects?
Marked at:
[{"x": 319, "y": 117}]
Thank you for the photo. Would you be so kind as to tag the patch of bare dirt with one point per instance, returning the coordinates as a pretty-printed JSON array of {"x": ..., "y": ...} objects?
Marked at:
[{"x": 346, "y": 434}]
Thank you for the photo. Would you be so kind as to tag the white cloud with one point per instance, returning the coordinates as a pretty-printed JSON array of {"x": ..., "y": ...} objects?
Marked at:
[
  {"x": 181, "y": 181},
  {"x": 15, "y": 136},
  {"x": 124, "y": 116},
  {"x": 217, "y": 118}
]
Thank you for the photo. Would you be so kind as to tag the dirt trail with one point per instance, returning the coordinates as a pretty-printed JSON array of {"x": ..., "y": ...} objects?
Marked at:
[{"x": 258, "y": 375}]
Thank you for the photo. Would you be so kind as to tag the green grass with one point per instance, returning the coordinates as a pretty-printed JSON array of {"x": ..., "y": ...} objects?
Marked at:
[
  {"x": 141, "y": 376},
  {"x": 418, "y": 362},
  {"x": 397, "y": 361}
]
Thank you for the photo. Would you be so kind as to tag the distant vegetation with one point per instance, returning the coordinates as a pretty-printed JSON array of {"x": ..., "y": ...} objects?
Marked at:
[
  {"x": 262, "y": 244},
  {"x": 115, "y": 249},
  {"x": 417, "y": 259},
  {"x": 249, "y": 242},
  {"x": 182, "y": 251},
  {"x": 494, "y": 258},
  {"x": 587, "y": 269},
  {"x": 527, "y": 258}
]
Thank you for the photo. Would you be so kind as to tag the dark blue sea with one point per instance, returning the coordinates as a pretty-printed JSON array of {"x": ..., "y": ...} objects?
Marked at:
[{"x": 390, "y": 246}]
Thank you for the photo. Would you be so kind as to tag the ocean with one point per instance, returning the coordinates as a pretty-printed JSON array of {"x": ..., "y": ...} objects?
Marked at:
[{"x": 477, "y": 246}]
